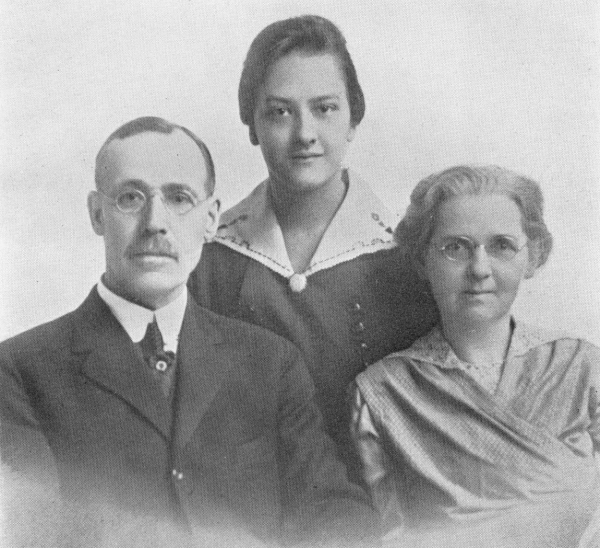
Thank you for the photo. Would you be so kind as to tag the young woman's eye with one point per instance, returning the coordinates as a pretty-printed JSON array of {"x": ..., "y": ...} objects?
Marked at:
[
  {"x": 327, "y": 108},
  {"x": 278, "y": 112}
]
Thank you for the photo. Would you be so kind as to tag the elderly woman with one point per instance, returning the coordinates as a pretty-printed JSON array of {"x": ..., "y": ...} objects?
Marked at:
[
  {"x": 485, "y": 415},
  {"x": 310, "y": 253}
]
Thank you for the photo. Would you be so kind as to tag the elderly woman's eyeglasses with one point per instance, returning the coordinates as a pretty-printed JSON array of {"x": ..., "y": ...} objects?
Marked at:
[
  {"x": 133, "y": 200},
  {"x": 462, "y": 249}
]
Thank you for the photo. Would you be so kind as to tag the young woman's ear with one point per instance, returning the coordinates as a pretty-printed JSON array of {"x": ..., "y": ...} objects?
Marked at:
[{"x": 252, "y": 134}]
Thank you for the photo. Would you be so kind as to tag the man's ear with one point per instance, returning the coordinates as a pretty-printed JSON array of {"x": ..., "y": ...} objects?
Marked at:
[
  {"x": 94, "y": 203},
  {"x": 212, "y": 223}
]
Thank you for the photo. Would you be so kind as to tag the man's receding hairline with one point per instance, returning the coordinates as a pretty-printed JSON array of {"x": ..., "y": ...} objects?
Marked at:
[{"x": 102, "y": 153}]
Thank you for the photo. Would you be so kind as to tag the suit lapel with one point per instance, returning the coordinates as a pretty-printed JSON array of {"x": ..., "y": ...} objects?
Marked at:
[
  {"x": 202, "y": 369},
  {"x": 113, "y": 364}
]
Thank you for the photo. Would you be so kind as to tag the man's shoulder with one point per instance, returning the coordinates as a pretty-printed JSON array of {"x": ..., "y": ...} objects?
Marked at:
[
  {"x": 48, "y": 336},
  {"x": 51, "y": 335}
]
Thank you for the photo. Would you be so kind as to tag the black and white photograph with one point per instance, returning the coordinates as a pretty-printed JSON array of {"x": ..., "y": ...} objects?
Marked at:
[{"x": 300, "y": 274}]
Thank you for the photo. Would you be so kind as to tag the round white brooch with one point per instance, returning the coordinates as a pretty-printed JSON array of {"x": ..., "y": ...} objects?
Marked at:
[{"x": 297, "y": 282}]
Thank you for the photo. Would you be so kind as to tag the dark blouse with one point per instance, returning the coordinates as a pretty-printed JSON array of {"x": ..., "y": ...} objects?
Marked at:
[
  {"x": 346, "y": 318},
  {"x": 355, "y": 303}
]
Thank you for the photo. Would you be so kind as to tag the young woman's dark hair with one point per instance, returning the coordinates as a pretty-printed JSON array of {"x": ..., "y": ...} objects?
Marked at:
[{"x": 309, "y": 34}]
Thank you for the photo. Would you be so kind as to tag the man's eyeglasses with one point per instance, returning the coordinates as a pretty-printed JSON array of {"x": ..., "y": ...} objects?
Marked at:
[
  {"x": 462, "y": 249},
  {"x": 133, "y": 200}
]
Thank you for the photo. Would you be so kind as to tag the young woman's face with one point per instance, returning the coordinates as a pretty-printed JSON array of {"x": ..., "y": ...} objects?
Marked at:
[
  {"x": 482, "y": 288},
  {"x": 302, "y": 121}
]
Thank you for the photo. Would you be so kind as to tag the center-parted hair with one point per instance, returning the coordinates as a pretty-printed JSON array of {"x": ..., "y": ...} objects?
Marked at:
[
  {"x": 308, "y": 34},
  {"x": 153, "y": 124},
  {"x": 413, "y": 233}
]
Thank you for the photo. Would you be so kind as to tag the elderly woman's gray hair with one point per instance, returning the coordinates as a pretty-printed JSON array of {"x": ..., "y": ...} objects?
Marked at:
[{"x": 414, "y": 232}]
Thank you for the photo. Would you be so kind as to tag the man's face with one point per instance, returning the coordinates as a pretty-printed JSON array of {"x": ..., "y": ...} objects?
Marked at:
[{"x": 150, "y": 253}]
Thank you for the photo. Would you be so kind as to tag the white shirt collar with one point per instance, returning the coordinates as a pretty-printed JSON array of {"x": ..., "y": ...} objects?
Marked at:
[
  {"x": 135, "y": 318},
  {"x": 361, "y": 225}
]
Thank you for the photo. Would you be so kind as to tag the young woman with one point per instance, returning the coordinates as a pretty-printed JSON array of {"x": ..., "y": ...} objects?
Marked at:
[
  {"x": 485, "y": 416},
  {"x": 310, "y": 253}
]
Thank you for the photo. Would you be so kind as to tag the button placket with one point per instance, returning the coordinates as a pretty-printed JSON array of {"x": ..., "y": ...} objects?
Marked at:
[
  {"x": 359, "y": 329},
  {"x": 182, "y": 481},
  {"x": 177, "y": 474}
]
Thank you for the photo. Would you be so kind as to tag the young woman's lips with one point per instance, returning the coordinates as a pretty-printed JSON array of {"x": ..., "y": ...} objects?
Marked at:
[
  {"x": 155, "y": 254},
  {"x": 305, "y": 157}
]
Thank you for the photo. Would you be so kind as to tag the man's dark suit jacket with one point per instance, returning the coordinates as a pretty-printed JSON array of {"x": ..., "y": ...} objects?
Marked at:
[{"x": 241, "y": 447}]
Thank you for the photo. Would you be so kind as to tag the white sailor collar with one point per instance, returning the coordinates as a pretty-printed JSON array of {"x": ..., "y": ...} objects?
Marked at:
[
  {"x": 434, "y": 348},
  {"x": 361, "y": 225}
]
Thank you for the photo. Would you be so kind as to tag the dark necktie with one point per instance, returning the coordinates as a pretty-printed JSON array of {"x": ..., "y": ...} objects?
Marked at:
[{"x": 161, "y": 362}]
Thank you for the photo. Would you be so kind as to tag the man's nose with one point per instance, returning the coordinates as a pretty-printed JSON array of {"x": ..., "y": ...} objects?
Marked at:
[
  {"x": 156, "y": 214},
  {"x": 480, "y": 264}
]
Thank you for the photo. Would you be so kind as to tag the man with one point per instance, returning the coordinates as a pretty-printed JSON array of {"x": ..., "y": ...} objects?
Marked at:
[{"x": 154, "y": 410}]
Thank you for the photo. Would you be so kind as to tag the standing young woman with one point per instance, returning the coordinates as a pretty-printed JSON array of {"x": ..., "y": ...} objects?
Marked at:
[{"x": 310, "y": 252}]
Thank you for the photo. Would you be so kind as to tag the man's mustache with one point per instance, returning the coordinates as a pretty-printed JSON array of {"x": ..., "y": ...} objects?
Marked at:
[{"x": 154, "y": 246}]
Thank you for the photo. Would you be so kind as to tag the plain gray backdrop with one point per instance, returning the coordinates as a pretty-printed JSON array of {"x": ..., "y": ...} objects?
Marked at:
[{"x": 514, "y": 83}]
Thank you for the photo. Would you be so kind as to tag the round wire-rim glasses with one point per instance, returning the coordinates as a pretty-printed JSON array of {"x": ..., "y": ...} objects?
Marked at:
[
  {"x": 132, "y": 200},
  {"x": 462, "y": 249}
]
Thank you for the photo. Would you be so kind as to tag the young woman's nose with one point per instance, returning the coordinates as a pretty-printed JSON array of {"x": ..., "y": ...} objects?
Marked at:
[{"x": 306, "y": 130}]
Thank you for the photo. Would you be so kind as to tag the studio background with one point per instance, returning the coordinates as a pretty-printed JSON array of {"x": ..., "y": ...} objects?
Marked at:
[{"x": 511, "y": 82}]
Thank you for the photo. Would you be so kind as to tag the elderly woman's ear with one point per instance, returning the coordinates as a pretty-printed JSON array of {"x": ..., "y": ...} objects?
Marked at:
[
  {"x": 535, "y": 254},
  {"x": 420, "y": 268}
]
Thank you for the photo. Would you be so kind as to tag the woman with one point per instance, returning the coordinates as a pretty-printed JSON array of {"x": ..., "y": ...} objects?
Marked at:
[
  {"x": 484, "y": 414},
  {"x": 310, "y": 252}
]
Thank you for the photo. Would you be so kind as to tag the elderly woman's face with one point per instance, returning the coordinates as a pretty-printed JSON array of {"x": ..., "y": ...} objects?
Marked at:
[
  {"x": 476, "y": 277},
  {"x": 302, "y": 120}
]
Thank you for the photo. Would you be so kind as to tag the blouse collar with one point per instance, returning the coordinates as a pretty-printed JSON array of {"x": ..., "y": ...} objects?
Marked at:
[
  {"x": 361, "y": 225},
  {"x": 434, "y": 348}
]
